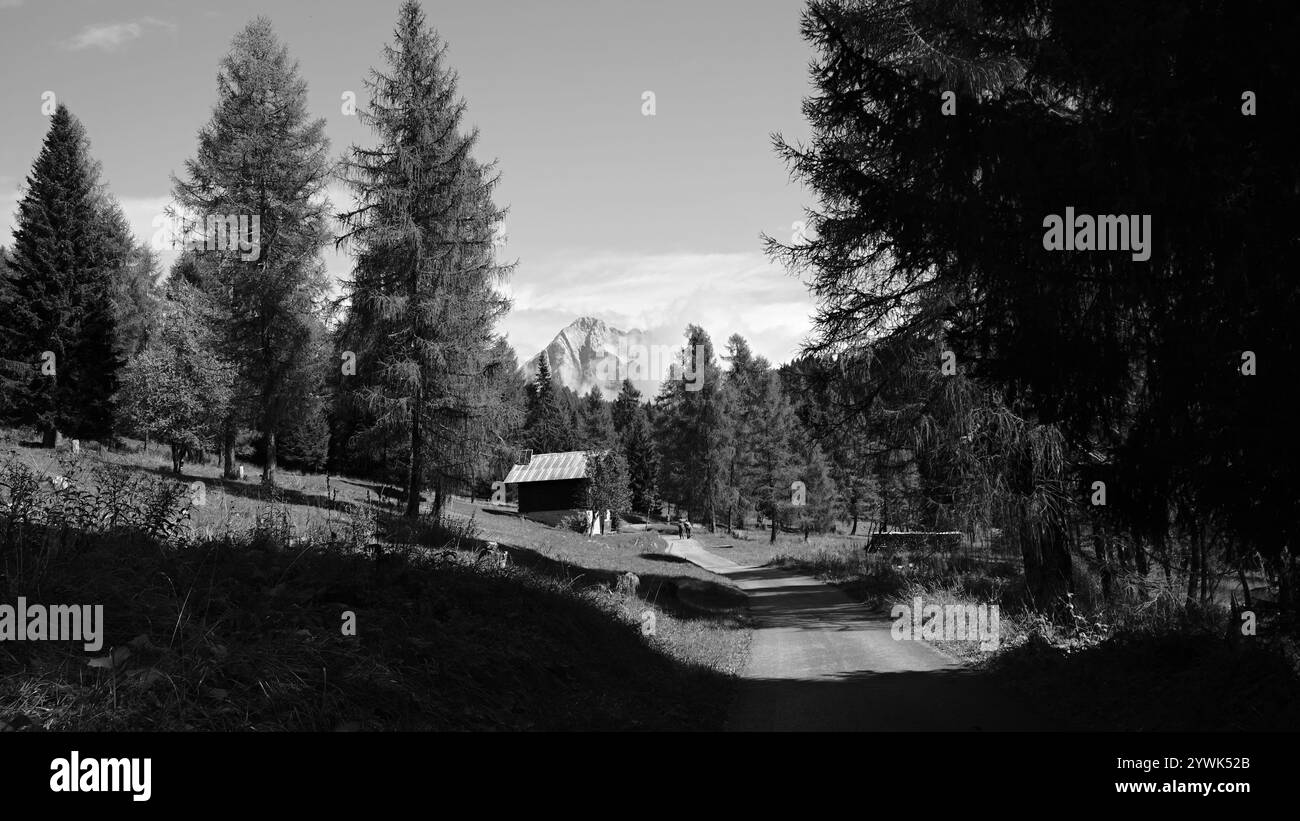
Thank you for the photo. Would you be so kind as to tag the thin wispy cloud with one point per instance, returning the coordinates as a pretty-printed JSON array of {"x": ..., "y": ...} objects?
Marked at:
[
  {"x": 660, "y": 295},
  {"x": 112, "y": 36}
]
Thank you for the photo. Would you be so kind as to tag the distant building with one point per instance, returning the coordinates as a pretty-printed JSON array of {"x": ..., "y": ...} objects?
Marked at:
[{"x": 551, "y": 481}]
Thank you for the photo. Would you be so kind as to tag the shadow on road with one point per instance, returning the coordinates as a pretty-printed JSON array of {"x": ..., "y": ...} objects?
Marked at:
[
  {"x": 664, "y": 557},
  {"x": 929, "y": 701}
]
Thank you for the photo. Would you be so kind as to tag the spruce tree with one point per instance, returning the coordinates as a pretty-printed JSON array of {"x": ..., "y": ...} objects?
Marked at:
[
  {"x": 61, "y": 362},
  {"x": 773, "y": 463},
  {"x": 744, "y": 386},
  {"x": 423, "y": 298},
  {"x": 642, "y": 464},
  {"x": 693, "y": 430},
  {"x": 137, "y": 295},
  {"x": 597, "y": 425},
  {"x": 626, "y": 407},
  {"x": 8, "y": 342},
  {"x": 822, "y": 502},
  {"x": 547, "y": 426}
]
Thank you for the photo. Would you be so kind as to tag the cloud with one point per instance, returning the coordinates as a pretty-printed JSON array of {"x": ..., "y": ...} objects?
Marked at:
[
  {"x": 10, "y": 4},
  {"x": 660, "y": 295},
  {"x": 110, "y": 36}
]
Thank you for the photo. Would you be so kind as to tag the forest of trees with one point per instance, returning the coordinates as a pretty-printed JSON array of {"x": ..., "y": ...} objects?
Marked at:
[
  {"x": 725, "y": 446},
  {"x": 1128, "y": 411},
  {"x": 404, "y": 378},
  {"x": 232, "y": 350},
  {"x": 961, "y": 376}
]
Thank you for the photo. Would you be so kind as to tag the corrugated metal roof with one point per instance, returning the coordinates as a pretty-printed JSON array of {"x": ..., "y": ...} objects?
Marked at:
[{"x": 547, "y": 467}]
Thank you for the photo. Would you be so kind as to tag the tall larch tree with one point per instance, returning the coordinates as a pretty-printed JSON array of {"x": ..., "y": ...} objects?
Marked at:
[
  {"x": 424, "y": 298},
  {"x": 261, "y": 157}
]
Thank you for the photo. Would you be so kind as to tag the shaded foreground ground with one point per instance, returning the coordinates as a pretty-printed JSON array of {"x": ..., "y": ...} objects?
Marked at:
[
  {"x": 238, "y": 625},
  {"x": 237, "y": 637}
]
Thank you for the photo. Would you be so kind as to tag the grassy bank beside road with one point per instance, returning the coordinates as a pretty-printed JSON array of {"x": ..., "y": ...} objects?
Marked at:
[{"x": 245, "y": 630}]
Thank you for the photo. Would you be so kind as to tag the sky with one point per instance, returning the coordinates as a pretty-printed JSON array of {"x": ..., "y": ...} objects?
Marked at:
[{"x": 647, "y": 222}]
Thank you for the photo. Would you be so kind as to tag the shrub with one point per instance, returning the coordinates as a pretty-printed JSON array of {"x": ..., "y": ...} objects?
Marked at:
[
  {"x": 916, "y": 542},
  {"x": 577, "y": 522}
]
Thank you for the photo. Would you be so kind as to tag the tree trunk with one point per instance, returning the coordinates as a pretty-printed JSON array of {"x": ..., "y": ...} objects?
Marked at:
[
  {"x": 1100, "y": 543},
  {"x": 1048, "y": 574},
  {"x": 51, "y": 438},
  {"x": 1205, "y": 568},
  {"x": 1121, "y": 555},
  {"x": 415, "y": 465},
  {"x": 228, "y": 452},
  {"x": 1245, "y": 587},
  {"x": 268, "y": 468},
  {"x": 439, "y": 500},
  {"x": 1287, "y": 582}
]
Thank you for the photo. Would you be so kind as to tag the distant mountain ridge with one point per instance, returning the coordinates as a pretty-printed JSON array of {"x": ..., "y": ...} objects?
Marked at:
[{"x": 588, "y": 352}]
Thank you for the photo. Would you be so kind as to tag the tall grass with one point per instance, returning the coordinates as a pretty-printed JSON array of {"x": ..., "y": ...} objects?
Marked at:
[
  {"x": 1137, "y": 605},
  {"x": 239, "y": 627}
]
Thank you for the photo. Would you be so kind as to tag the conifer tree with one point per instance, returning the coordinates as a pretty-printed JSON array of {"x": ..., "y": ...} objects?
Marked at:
[
  {"x": 693, "y": 430},
  {"x": 261, "y": 158},
  {"x": 61, "y": 364},
  {"x": 626, "y": 406},
  {"x": 547, "y": 426},
  {"x": 642, "y": 464},
  {"x": 745, "y": 385},
  {"x": 773, "y": 464},
  {"x": 597, "y": 425},
  {"x": 423, "y": 297}
]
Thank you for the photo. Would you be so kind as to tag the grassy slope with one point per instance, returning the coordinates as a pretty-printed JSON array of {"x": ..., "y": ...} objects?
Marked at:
[
  {"x": 234, "y": 637},
  {"x": 700, "y": 617},
  {"x": 242, "y": 632}
]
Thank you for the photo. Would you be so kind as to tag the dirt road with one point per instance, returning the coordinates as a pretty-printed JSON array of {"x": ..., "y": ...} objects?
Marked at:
[{"x": 822, "y": 661}]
